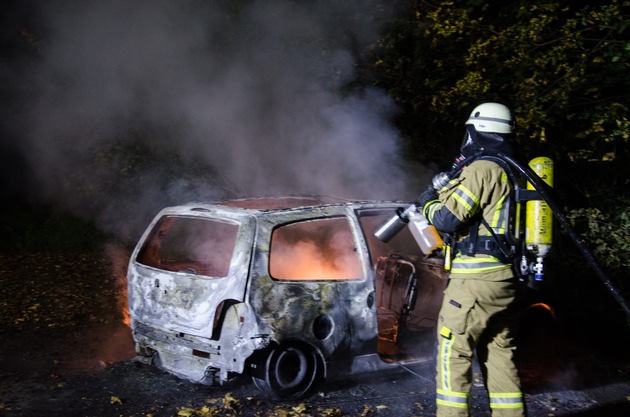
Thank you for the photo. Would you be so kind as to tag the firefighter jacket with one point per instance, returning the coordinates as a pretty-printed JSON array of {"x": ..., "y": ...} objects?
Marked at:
[{"x": 482, "y": 189}]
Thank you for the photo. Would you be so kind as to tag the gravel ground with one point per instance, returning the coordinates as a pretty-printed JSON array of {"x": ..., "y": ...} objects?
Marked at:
[{"x": 65, "y": 351}]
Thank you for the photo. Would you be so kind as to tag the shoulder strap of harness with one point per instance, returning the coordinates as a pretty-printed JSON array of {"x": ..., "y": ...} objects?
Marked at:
[{"x": 494, "y": 245}]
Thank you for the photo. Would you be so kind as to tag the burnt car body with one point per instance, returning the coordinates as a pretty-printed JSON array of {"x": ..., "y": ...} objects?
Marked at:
[{"x": 292, "y": 291}]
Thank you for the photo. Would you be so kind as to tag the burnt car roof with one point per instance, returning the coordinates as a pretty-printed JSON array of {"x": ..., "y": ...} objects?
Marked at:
[
  {"x": 291, "y": 202},
  {"x": 276, "y": 203}
]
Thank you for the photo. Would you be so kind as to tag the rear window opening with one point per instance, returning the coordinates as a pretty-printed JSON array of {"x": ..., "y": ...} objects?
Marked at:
[
  {"x": 322, "y": 249},
  {"x": 190, "y": 245}
]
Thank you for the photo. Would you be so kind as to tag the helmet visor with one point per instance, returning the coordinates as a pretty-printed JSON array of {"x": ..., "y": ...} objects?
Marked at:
[{"x": 469, "y": 143}]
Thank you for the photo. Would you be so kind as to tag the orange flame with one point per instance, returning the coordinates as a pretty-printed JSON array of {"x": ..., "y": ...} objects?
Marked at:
[
  {"x": 119, "y": 260},
  {"x": 304, "y": 261}
]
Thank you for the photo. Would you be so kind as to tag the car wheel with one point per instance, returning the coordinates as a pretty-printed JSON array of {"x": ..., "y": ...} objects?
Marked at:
[{"x": 290, "y": 371}]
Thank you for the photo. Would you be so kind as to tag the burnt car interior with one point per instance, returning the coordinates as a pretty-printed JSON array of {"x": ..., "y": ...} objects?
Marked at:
[
  {"x": 319, "y": 249},
  {"x": 395, "y": 291},
  {"x": 189, "y": 245},
  {"x": 408, "y": 287}
]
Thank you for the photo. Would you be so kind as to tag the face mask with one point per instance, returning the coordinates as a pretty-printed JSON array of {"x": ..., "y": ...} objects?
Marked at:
[
  {"x": 470, "y": 144},
  {"x": 477, "y": 141}
]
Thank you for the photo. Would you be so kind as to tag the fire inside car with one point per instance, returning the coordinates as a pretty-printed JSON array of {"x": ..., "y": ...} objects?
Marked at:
[{"x": 291, "y": 291}]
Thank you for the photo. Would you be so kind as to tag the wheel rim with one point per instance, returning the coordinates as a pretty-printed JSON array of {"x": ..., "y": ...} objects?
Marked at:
[{"x": 292, "y": 371}]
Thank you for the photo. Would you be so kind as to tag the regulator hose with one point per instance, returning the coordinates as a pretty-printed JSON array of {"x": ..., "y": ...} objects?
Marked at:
[{"x": 543, "y": 190}]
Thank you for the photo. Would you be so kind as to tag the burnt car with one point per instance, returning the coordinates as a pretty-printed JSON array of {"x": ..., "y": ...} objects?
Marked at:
[{"x": 291, "y": 291}]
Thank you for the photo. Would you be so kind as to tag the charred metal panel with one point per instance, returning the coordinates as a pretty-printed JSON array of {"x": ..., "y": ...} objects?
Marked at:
[
  {"x": 289, "y": 310},
  {"x": 173, "y": 312},
  {"x": 431, "y": 283},
  {"x": 182, "y": 300},
  {"x": 195, "y": 358},
  {"x": 179, "y": 303}
]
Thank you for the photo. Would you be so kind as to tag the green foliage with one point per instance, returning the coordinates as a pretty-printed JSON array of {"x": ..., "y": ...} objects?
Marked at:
[
  {"x": 561, "y": 66},
  {"x": 608, "y": 234}
]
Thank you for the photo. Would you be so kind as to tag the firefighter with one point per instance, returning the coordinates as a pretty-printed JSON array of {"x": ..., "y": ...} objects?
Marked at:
[{"x": 480, "y": 302}]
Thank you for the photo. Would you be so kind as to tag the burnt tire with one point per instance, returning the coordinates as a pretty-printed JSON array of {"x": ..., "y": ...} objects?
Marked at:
[{"x": 290, "y": 371}]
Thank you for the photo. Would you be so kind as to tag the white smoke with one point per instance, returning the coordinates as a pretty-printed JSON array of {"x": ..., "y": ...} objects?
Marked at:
[{"x": 250, "y": 88}]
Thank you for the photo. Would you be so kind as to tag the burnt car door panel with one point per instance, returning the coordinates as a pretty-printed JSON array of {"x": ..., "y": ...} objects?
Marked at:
[{"x": 311, "y": 269}]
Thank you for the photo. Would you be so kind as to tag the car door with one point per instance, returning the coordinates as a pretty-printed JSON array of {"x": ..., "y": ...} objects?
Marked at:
[{"x": 311, "y": 282}]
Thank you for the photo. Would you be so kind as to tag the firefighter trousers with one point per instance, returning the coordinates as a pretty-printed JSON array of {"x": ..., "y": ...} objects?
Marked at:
[{"x": 477, "y": 316}]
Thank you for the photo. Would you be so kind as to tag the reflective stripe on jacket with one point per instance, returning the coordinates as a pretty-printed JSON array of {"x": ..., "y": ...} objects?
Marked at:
[{"x": 483, "y": 187}]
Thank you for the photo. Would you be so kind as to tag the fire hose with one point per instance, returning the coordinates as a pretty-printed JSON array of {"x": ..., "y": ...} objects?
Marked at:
[
  {"x": 543, "y": 190},
  {"x": 402, "y": 217}
]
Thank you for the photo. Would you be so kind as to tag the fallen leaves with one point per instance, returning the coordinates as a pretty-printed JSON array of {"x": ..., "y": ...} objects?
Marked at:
[
  {"x": 367, "y": 411},
  {"x": 50, "y": 290},
  {"x": 332, "y": 412},
  {"x": 186, "y": 412},
  {"x": 231, "y": 406},
  {"x": 227, "y": 406},
  {"x": 300, "y": 409}
]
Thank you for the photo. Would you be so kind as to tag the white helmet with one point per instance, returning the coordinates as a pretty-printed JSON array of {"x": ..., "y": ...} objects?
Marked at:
[{"x": 491, "y": 117}]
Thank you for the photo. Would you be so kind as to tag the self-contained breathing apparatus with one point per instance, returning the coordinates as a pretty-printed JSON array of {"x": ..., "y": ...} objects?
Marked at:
[
  {"x": 509, "y": 247},
  {"x": 540, "y": 205}
]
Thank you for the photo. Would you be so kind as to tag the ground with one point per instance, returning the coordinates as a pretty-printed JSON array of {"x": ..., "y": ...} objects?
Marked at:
[{"x": 65, "y": 351}]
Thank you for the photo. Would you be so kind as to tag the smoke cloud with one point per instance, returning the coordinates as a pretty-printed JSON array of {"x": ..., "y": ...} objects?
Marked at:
[{"x": 251, "y": 89}]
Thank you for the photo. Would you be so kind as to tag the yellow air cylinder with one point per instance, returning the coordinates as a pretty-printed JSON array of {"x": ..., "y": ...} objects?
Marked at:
[{"x": 538, "y": 215}]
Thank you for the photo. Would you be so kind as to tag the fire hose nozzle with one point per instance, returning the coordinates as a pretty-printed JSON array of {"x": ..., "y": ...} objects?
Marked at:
[
  {"x": 390, "y": 228},
  {"x": 440, "y": 180}
]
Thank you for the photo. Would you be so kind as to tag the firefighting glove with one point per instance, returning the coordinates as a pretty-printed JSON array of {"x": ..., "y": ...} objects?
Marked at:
[{"x": 429, "y": 194}]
